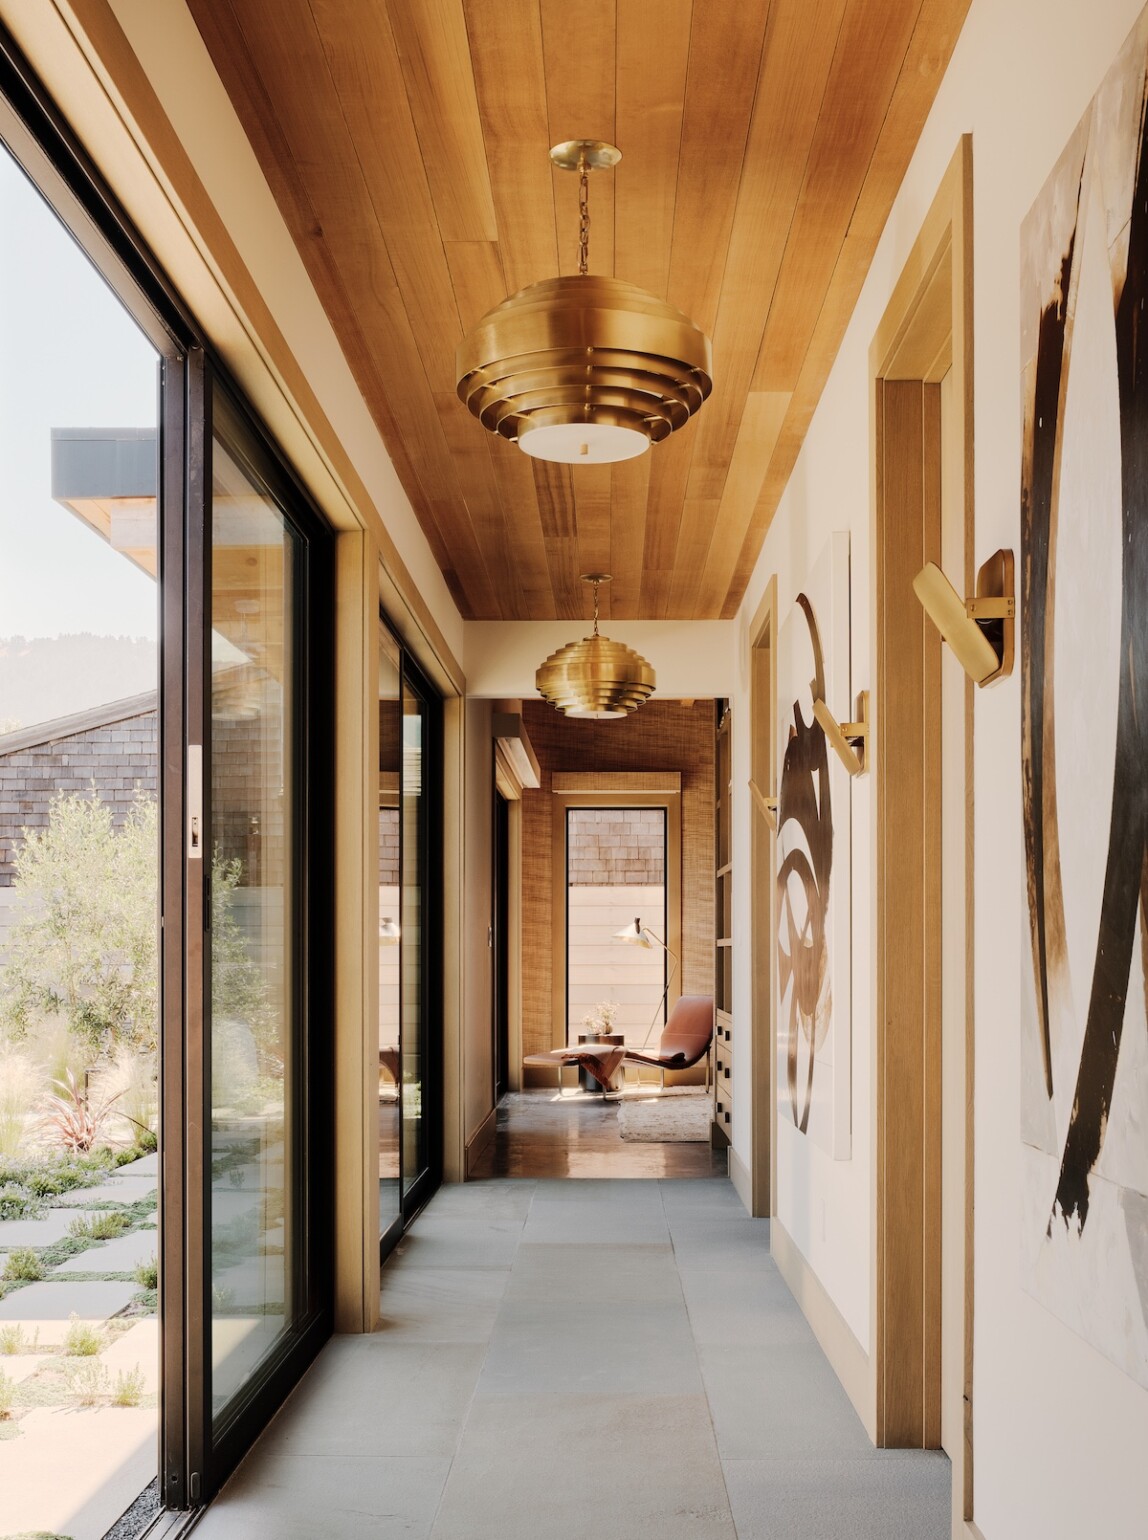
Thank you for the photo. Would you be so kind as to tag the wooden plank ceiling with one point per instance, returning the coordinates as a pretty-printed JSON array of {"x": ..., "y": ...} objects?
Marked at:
[{"x": 406, "y": 142}]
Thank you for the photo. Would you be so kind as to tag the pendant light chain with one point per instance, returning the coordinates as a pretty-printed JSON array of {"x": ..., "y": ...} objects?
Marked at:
[
  {"x": 583, "y": 215},
  {"x": 596, "y": 582}
]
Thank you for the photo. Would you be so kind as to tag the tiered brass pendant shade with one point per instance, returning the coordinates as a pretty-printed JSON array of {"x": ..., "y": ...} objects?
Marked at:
[
  {"x": 584, "y": 369},
  {"x": 595, "y": 678}
]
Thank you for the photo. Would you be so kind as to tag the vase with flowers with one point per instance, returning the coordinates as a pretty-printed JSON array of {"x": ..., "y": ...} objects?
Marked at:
[{"x": 599, "y": 1022}]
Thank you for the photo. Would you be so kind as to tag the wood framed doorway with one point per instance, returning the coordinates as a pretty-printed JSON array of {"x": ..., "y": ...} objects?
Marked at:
[
  {"x": 763, "y": 868},
  {"x": 921, "y": 366}
]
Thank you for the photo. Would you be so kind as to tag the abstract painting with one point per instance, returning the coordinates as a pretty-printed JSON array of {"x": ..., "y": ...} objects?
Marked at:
[
  {"x": 813, "y": 878},
  {"x": 1084, "y": 733}
]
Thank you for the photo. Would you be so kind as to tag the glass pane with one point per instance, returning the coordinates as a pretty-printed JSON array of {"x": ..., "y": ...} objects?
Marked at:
[
  {"x": 254, "y": 918},
  {"x": 390, "y": 918},
  {"x": 78, "y": 881},
  {"x": 615, "y": 874},
  {"x": 413, "y": 1055}
]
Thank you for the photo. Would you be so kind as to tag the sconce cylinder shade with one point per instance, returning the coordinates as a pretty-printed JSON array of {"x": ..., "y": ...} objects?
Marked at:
[
  {"x": 595, "y": 678},
  {"x": 584, "y": 352}
]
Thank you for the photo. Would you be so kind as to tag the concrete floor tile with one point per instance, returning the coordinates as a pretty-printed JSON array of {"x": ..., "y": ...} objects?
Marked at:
[
  {"x": 562, "y": 1271},
  {"x": 300, "y": 1497},
  {"x": 901, "y": 1495},
  {"x": 487, "y": 1200},
  {"x": 450, "y": 1242},
  {"x": 373, "y": 1397},
  {"x": 440, "y": 1304},
  {"x": 45, "y": 1231},
  {"x": 638, "y": 1349},
  {"x": 744, "y": 1307},
  {"x": 720, "y": 1243},
  {"x": 782, "y": 1400},
  {"x": 584, "y": 1466}
]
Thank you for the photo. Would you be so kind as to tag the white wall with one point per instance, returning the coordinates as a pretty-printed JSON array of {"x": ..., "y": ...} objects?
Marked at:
[{"x": 1059, "y": 1433}]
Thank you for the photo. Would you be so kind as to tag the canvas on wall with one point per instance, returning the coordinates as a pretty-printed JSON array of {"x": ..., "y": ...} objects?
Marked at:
[
  {"x": 813, "y": 879},
  {"x": 1084, "y": 709}
]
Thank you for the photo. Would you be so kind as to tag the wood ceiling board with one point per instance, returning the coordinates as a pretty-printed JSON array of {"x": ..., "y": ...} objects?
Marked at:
[
  {"x": 934, "y": 38},
  {"x": 578, "y": 47},
  {"x": 469, "y": 449},
  {"x": 867, "y": 62},
  {"x": 726, "y": 40},
  {"x": 765, "y": 415},
  {"x": 318, "y": 183},
  {"x": 653, "y": 47},
  {"x": 409, "y": 158},
  {"x": 514, "y": 476},
  {"x": 696, "y": 530},
  {"x": 669, "y": 472},
  {"x": 510, "y": 80},
  {"x": 593, "y": 491},
  {"x": 554, "y": 488},
  {"x": 630, "y": 490},
  {"x": 799, "y": 49},
  {"x": 432, "y": 41},
  {"x": 476, "y": 273}
]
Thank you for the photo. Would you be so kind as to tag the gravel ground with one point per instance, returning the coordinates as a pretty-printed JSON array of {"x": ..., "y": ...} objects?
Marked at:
[{"x": 138, "y": 1516}]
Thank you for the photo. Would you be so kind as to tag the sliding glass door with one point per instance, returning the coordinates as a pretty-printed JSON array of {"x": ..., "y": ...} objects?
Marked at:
[
  {"x": 410, "y": 802},
  {"x": 265, "y": 833}
]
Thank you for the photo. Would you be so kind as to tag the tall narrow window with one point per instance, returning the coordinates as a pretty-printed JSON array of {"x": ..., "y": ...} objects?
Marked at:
[
  {"x": 615, "y": 873},
  {"x": 390, "y": 926}
]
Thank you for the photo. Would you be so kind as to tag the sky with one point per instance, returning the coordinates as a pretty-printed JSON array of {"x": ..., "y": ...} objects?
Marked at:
[{"x": 70, "y": 356}]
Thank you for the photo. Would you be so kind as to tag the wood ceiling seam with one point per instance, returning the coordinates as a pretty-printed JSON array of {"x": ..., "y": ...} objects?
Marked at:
[{"x": 481, "y": 583}]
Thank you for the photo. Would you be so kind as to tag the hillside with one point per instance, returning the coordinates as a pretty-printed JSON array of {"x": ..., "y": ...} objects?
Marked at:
[{"x": 46, "y": 677}]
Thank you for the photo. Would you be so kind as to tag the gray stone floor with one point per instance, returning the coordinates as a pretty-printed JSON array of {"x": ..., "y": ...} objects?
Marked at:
[{"x": 579, "y": 1360}]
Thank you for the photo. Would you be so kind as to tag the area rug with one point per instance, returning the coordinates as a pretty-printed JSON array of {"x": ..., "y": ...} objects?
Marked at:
[{"x": 668, "y": 1119}]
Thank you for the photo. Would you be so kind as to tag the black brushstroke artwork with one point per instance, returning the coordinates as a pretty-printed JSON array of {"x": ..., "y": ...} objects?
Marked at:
[
  {"x": 1126, "y": 874},
  {"x": 803, "y": 960}
]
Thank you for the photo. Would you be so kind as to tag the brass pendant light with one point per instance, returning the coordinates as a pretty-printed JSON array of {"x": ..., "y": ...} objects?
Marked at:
[
  {"x": 584, "y": 370},
  {"x": 595, "y": 678}
]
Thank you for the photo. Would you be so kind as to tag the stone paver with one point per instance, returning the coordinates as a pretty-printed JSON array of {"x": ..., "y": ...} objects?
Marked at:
[
  {"x": 132, "y": 1190},
  {"x": 37, "y": 1232},
  {"x": 73, "y": 1472},
  {"x": 50, "y": 1301},
  {"x": 21, "y": 1366},
  {"x": 122, "y": 1255}
]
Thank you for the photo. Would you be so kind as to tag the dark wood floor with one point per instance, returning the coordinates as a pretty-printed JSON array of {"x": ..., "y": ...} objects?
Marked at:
[{"x": 541, "y": 1136}]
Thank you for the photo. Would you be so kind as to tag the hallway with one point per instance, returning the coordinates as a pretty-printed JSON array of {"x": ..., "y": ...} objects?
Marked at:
[{"x": 580, "y": 1359}]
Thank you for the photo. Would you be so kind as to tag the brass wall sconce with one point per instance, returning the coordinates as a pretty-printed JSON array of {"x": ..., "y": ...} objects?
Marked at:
[
  {"x": 766, "y": 806},
  {"x": 850, "y": 740},
  {"x": 980, "y": 630}
]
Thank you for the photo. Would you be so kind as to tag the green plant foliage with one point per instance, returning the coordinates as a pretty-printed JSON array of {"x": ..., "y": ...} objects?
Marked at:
[
  {"x": 82, "y": 1340},
  {"x": 14, "y": 1339},
  {"x": 83, "y": 945},
  {"x": 23, "y": 1265},
  {"x": 7, "y": 1394},
  {"x": 87, "y": 1383},
  {"x": 147, "y": 1274},
  {"x": 21, "y": 1079},
  {"x": 18, "y": 1203},
  {"x": 100, "y": 1227},
  {"x": 128, "y": 1388}
]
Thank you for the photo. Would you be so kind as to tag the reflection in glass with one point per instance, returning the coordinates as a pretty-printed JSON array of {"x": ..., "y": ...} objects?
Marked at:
[
  {"x": 390, "y": 929},
  {"x": 413, "y": 1125},
  {"x": 253, "y": 917}
]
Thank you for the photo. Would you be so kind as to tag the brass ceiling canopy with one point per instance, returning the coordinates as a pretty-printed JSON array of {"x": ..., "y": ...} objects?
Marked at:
[
  {"x": 595, "y": 678},
  {"x": 584, "y": 370}
]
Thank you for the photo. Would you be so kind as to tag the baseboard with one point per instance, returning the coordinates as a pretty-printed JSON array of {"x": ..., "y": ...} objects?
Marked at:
[
  {"x": 477, "y": 1146},
  {"x": 740, "y": 1176},
  {"x": 848, "y": 1359}
]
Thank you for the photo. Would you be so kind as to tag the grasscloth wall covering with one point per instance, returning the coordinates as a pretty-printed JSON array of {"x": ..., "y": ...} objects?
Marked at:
[{"x": 663, "y": 735}]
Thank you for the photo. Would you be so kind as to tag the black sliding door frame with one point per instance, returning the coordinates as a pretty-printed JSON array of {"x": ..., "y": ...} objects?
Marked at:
[{"x": 191, "y": 1463}]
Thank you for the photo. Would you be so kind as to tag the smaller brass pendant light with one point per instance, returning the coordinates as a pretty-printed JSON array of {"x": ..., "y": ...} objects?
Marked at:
[
  {"x": 584, "y": 369},
  {"x": 595, "y": 678}
]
